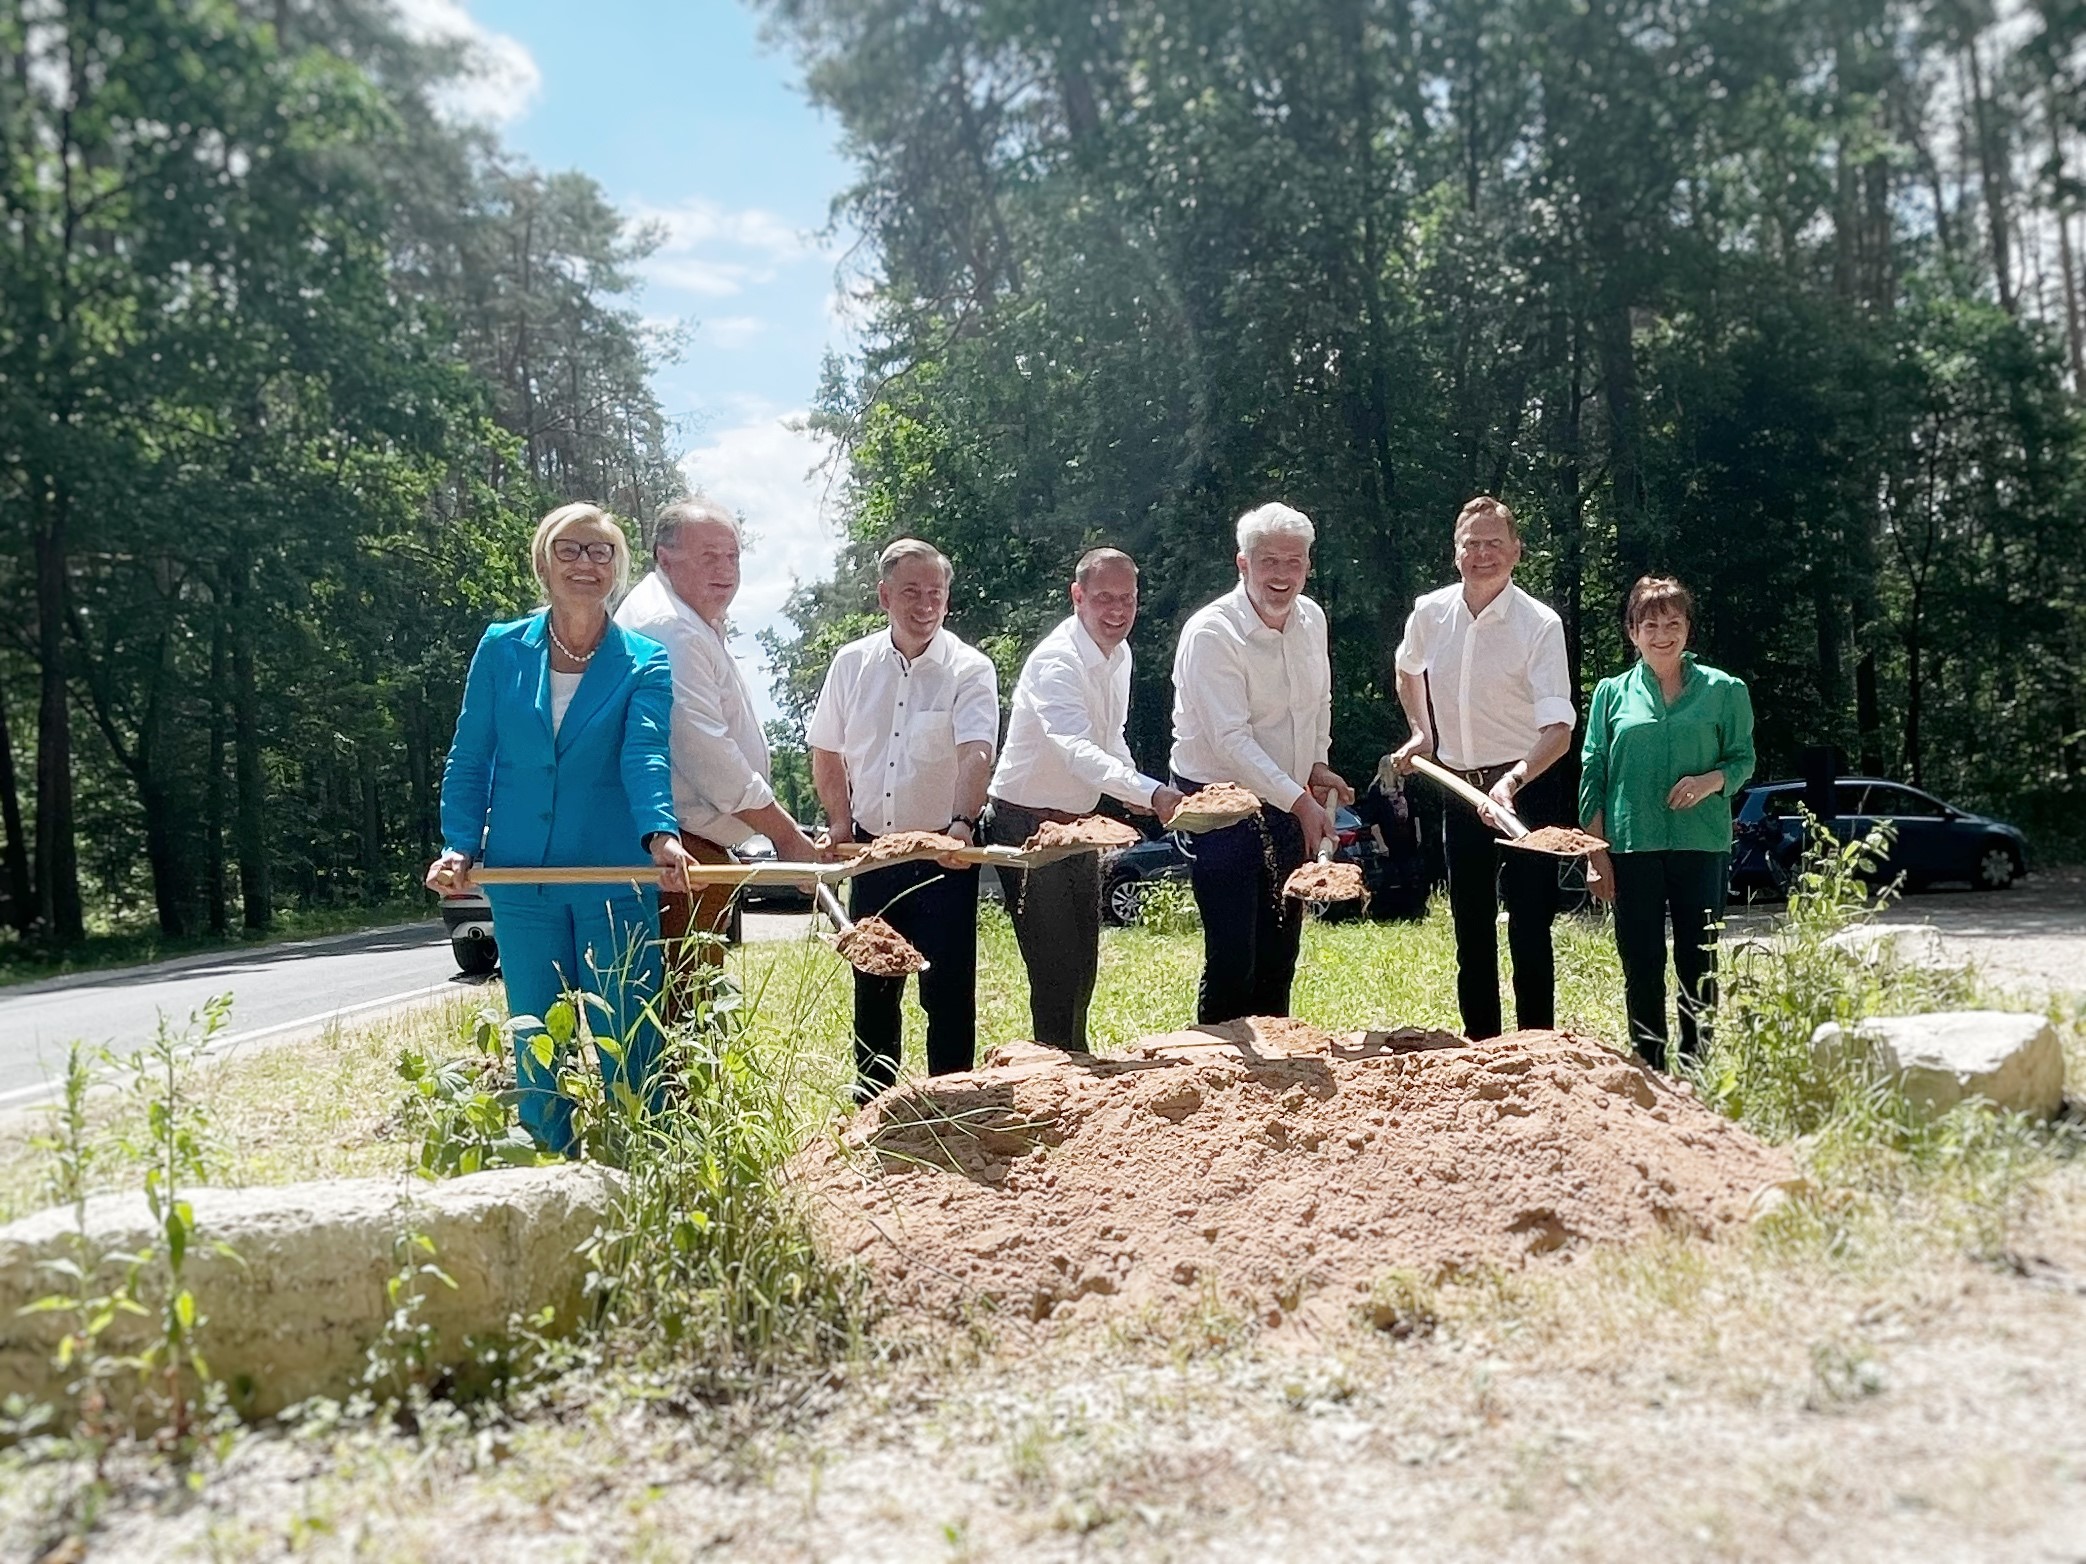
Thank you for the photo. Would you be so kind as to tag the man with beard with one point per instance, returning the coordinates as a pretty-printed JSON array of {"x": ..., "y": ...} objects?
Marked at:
[{"x": 1253, "y": 704}]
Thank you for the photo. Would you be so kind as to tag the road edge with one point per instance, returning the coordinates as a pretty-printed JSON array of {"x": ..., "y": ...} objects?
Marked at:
[{"x": 204, "y": 958}]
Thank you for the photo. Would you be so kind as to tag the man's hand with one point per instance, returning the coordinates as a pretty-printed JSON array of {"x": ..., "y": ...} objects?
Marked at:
[
  {"x": 1419, "y": 744},
  {"x": 793, "y": 846},
  {"x": 961, "y": 830},
  {"x": 1316, "y": 821},
  {"x": 1327, "y": 785},
  {"x": 1690, "y": 791},
  {"x": 1165, "y": 800},
  {"x": 450, "y": 875},
  {"x": 1502, "y": 793},
  {"x": 674, "y": 862}
]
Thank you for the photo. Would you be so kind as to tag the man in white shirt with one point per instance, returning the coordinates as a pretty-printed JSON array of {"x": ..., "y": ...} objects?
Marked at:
[
  {"x": 1492, "y": 660},
  {"x": 1065, "y": 749},
  {"x": 722, "y": 791},
  {"x": 1253, "y": 704},
  {"x": 902, "y": 739}
]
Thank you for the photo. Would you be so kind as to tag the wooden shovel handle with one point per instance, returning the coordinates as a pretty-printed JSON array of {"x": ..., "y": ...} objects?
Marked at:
[{"x": 1477, "y": 800}]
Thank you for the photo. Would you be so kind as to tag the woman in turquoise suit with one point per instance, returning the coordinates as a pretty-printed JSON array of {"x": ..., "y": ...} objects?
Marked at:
[
  {"x": 1668, "y": 745},
  {"x": 561, "y": 758}
]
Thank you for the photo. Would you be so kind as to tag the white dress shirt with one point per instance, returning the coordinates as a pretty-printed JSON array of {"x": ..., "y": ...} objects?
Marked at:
[
  {"x": 897, "y": 721},
  {"x": 720, "y": 754},
  {"x": 1252, "y": 705},
  {"x": 1065, "y": 744},
  {"x": 1495, "y": 679}
]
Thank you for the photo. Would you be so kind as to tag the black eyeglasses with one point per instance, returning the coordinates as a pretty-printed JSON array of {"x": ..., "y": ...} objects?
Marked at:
[{"x": 571, "y": 551}]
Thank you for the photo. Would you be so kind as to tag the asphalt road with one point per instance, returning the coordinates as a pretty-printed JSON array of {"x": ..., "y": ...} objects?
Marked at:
[{"x": 281, "y": 990}]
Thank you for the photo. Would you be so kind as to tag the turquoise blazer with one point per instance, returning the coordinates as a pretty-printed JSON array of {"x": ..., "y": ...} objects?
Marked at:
[{"x": 592, "y": 793}]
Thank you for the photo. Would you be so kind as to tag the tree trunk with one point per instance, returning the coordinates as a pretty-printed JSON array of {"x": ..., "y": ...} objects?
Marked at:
[
  {"x": 251, "y": 827},
  {"x": 21, "y": 890},
  {"x": 57, "y": 872},
  {"x": 215, "y": 889}
]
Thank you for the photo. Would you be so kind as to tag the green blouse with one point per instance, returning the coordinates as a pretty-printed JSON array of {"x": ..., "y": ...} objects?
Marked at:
[{"x": 1637, "y": 747}]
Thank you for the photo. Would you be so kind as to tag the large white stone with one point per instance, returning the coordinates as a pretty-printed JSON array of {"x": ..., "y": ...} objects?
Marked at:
[
  {"x": 2013, "y": 1061},
  {"x": 294, "y": 1315}
]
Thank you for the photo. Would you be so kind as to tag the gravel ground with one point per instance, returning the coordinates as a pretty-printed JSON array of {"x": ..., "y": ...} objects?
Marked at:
[{"x": 2032, "y": 936}]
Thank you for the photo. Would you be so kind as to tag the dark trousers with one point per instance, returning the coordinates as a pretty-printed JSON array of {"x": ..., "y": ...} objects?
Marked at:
[
  {"x": 693, "y": 928},
  {"x": 1250, "y": 930},
  {"x": 937, "y": 909},
  {"x": 1689, "y": 889},
  {"x": 1482, "y": 874},
  {"x": 1056, "y": 911}
]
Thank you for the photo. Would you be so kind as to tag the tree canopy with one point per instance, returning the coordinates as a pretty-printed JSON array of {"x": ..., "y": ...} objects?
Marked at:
[{"x": 1780, "y": 297}]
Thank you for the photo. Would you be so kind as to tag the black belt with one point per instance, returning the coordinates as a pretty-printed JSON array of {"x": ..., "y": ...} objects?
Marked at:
[{"x": 1057, "y": 816}]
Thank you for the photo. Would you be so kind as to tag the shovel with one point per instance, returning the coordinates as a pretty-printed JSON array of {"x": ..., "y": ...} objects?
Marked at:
[
  {"x": 1489, "y": 807},
  {"x": 844, "y": 926},
  {"x": 1347, "y": 886}
]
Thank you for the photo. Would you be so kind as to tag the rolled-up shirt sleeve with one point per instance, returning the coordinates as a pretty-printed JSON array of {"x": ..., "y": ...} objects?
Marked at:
[
  {"x": 1550, "y": 678},
  {"x": 1058, "y": 688},
  {"x": 975, "y": 714},
  {"x": 1209, "y": 671},
  {"x": 704, "y": 750}
]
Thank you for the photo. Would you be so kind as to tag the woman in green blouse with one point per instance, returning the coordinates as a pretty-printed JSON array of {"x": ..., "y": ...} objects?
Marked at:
[{"x": 1668, "y": 744}]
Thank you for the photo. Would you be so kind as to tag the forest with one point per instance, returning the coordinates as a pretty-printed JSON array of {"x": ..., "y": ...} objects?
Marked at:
[{"x": 1782, "y": 297}]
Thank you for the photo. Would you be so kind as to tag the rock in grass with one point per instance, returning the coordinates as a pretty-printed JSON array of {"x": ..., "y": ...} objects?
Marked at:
[
  {"x": 294, "y": 1315},
  {"x": 2012, "y": 1061}
]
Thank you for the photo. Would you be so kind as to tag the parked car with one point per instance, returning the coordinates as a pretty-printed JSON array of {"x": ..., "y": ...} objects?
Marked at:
[
  {"x": 1932, "y": 843},
  {"x": 469, "y": 920},
  {"x": 1396, "y": 881},
  {"x": 774, "y": 898}
]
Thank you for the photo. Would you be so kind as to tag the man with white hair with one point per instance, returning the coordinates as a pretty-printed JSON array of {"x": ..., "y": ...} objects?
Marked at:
[
  {"x": 1253, "y": 704},
  {"x": 722, "y": 790},
  {"x": 1065, "y": 750}
]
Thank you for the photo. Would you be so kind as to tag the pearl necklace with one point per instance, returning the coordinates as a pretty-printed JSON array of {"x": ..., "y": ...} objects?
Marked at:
[{"x": 579, "y": 657}]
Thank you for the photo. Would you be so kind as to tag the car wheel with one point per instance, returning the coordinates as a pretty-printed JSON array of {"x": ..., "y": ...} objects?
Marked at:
[
  {"x": 475, "y": 957},
  {"x": 1995, "y": 867},
  {"x": 1122, "y": 900}
]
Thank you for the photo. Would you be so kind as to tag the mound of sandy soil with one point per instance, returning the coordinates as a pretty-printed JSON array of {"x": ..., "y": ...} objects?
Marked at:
[
  {"x": 900, "y": 844},
  {"x": 1272, "y": 1160},
  {"x": 875, "y": 947},
  {"x": 1316, "y": 881}
]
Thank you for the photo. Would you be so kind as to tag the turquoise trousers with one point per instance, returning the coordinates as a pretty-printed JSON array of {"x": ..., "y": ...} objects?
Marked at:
[{"x": 601, "y": 940}]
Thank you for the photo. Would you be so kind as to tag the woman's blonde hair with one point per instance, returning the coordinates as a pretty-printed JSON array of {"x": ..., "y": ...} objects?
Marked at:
[{"x": 563, "y": 520}]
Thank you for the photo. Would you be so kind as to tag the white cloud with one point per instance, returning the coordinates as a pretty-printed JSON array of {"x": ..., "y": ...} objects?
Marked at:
[
  {"x": 733, "y": 331},
  {"x": 763, "y": 468},
  {"x": 501, "y": 78},
  {"x": 714, "y": 251}
]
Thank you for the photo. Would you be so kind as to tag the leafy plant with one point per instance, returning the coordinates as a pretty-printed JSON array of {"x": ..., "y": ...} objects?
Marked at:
[{"x": 463, "y": 1108}]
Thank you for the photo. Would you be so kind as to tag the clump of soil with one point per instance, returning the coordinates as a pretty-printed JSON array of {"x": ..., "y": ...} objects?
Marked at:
[
  {"x": 1559, "y": 839},
  {"x": 906, "y": 844},
  {"x": 1326, "y": 882},
  {"x": 1087, "y": 831},
  {"x": 1271, "y": 1161},
  {"x": 1219, "y": 804},
  {"x": 874, "y": 947}
]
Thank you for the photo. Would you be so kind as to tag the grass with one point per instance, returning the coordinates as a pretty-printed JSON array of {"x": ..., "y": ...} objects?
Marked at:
[
  {"x": 1521, "y": 1398},
  {"x": 125, "y": 945}
]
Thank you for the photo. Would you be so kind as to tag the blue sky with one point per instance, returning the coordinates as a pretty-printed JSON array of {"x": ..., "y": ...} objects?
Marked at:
[{"x": 688, "y": 120}]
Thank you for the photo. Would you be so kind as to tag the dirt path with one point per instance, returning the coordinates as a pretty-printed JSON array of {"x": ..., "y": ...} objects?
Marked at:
[{"x": 2033, "y": 936}]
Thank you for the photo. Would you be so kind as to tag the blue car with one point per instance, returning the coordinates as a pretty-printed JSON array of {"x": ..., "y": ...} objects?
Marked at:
[{"x": 1933, "y": 842}]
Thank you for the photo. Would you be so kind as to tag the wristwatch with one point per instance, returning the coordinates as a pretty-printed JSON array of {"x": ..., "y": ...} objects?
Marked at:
[{"x": 965, "y": 820}]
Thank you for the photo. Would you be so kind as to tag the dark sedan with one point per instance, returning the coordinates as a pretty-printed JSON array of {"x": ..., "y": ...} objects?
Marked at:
[
  {"x": 1396, "y": 881},
  {"x": 1932, "y": 842}
]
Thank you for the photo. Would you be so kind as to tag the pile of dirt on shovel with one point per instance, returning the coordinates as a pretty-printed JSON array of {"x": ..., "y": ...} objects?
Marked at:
[{"x": 1271, "y": 1160}]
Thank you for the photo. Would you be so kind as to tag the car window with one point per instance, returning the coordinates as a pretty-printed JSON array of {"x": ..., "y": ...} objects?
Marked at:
[
  {"x": 1849, "y": 798},
  {"x": 1902, "y": 803},
  {"x": 1782, "y": 804}
]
